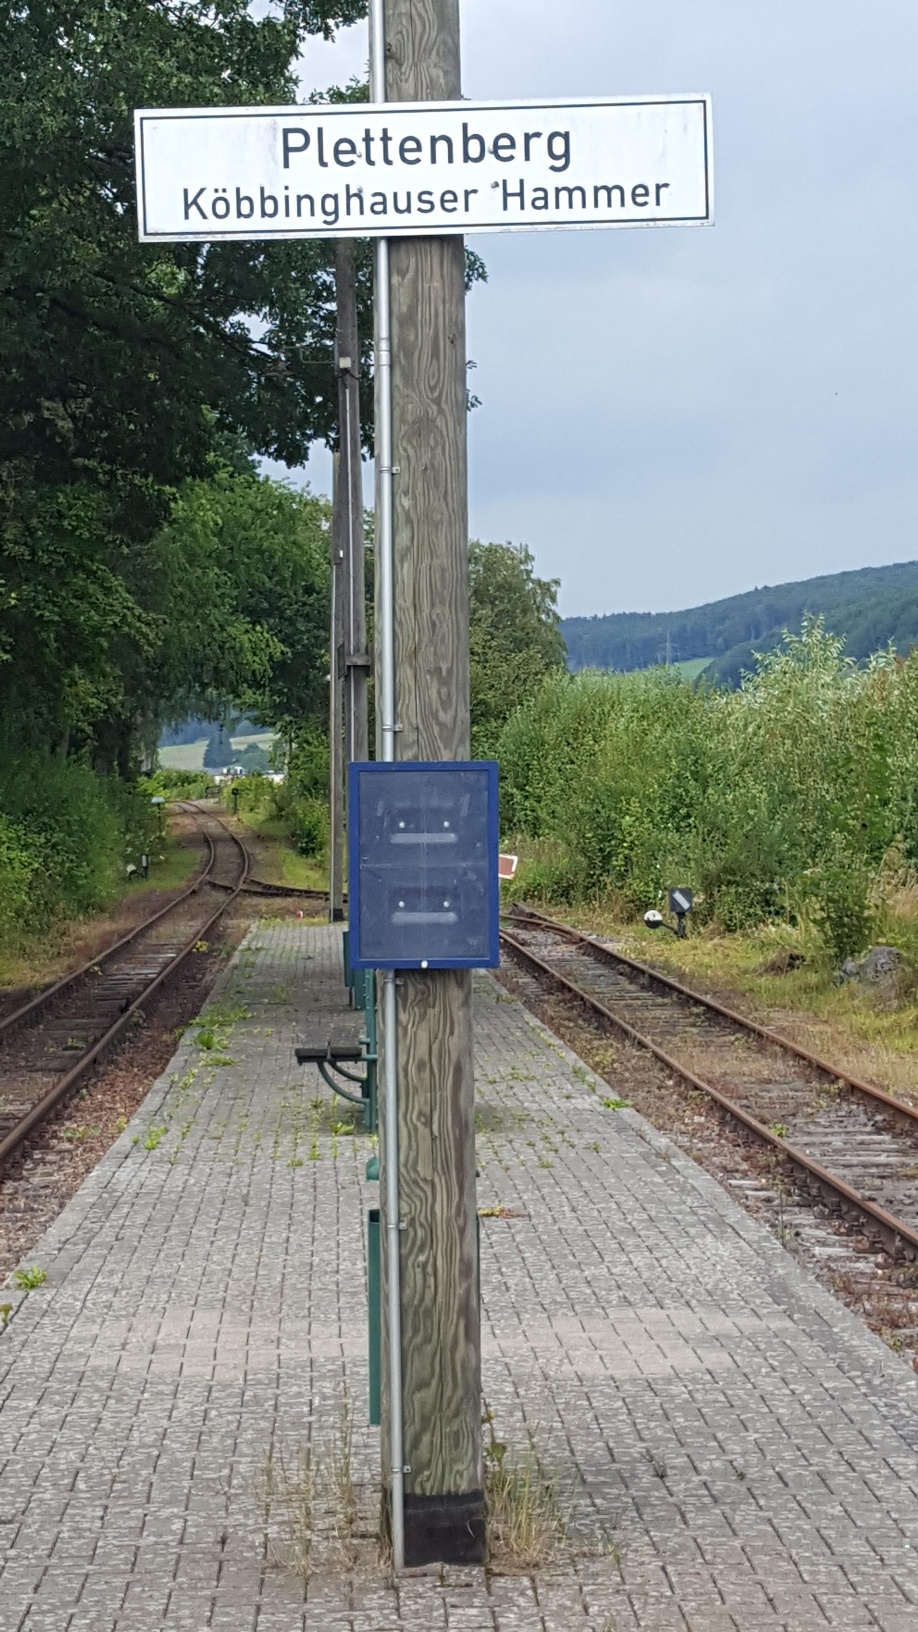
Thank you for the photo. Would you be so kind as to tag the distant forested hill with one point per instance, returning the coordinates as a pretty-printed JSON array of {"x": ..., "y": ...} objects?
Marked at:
[{"x": 870, "y": 608}]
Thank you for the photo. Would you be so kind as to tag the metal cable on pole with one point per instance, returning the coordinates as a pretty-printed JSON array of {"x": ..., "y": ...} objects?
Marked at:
[{"x": 385, "y": 636}]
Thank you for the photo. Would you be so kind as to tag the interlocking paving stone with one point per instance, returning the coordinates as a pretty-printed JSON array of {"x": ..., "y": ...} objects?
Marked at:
[{"x": 737, "y": 1453}]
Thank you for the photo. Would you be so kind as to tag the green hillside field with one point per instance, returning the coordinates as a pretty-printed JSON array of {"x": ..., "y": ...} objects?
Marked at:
[
  {"x": 870, "y": 608},
  {"x": 189, "y": 756}
]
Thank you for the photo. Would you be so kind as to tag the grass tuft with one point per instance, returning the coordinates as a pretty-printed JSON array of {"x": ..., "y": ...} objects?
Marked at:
[
  {"x": 26, "y": 1280},
  {"x": 308, "y": 1503},
  {"x": 526, "y": 1526}
]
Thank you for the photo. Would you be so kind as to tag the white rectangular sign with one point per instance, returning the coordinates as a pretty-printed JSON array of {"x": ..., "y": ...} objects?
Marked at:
[{"x": 405, "y": 168}]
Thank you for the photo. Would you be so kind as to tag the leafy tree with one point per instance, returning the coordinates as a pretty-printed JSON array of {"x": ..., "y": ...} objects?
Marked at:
[
  {"x": 253, "y": 759},
  {"x": 120, "y": 356},
  {"x": 191, "y": 729},
  {"x": 125, "y": 368},
  {"x": 219, "y": 750},
  {"x": 239, "y": 580},
  {"x": 514, "y": 637}
]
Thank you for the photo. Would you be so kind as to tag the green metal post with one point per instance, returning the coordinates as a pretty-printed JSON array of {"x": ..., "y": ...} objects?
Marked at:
[
  {"x": 373, "y": 1311},
  {"x": 370, "y": 1050}
]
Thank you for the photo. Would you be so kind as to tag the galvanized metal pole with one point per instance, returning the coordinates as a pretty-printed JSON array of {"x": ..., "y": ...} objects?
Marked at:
[
  {"x": 336, "y": 713},
  {"x": 385, "y": 643}
]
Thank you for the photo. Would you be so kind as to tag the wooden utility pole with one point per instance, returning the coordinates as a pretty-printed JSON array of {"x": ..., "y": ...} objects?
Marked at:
[
  {"x": 336, "y": 708},
  {"x": 349, "y": 506},
  {"x": 441, "y": 1346}
]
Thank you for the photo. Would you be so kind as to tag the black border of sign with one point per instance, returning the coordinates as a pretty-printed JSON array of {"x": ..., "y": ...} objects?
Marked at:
[{"x": 459, "y": 230}]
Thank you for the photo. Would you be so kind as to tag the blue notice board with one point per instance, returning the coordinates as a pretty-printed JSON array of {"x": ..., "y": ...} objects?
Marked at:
[{"x": 423, "y": 886}]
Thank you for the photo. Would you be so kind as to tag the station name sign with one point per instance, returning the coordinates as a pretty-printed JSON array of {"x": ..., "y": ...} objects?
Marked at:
[{"x": 402, "y": 169}]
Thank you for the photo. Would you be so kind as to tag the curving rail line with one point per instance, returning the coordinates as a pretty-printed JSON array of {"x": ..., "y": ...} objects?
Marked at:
[
  {"x": 846, "y": 1139},
  {"x": 48, "y": 1044}
]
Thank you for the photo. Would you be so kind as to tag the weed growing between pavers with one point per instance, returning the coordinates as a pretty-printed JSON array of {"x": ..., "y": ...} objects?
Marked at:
[
  {"x": 527, "y": 1512},
  {"x": 286, "y": 1495},
  {"x": 26, "y": 1280},
  {"x": 308, "y": 1503},
  {"x": 312, "y": 1511},
  {"x": 212, "y": 1032}
]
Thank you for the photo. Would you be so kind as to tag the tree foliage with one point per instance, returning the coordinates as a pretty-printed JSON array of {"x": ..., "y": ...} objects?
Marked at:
[
  {"x": 789, "y": 796},
  {"x": 869, "y": 608},
  {"x": 240, "y": 574},
  {"x": 118, "y": 357},
  {"x": 129, "y": 370},
  {"x": 513, "y": 635}
]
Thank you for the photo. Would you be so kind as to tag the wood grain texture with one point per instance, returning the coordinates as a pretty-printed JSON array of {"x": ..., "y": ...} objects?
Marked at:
[
  {"x": 422, "y": 51},
  {"x": 430, "y": 498},
  {"x": 441, "y": 1341},
  {"x": 441, "y": 1347}
]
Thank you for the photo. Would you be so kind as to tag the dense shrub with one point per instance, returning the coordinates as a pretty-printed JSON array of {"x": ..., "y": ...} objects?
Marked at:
[
  {"x": 309, "y": 826},
  {"x": 302, "y": 798},
  {"x": 66, "y": 836},
  {"x": 300, "y": 801},
  {"x": 781, "y": 798},
  {"x": 254, "y": 792},
  {"x": 178, "y": 784}
]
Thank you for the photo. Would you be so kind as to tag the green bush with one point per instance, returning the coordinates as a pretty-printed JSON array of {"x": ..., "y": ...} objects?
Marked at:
[
  {"x": 301, "y": 800},
  {"x": 552, "y": 874},
  {"x": 252, "y": 792},
  {"x": 307, "y": 767},
  {"x": 20, "y": 863},
  {"x": 303, "y": 813},
  {"x": 309, "y": 826},
  {"x": 66, "y": 837},
  {"x": 178, "y": 784},
  {"x": 840, "y": 892},
  {"x": 781, "y": 797}
]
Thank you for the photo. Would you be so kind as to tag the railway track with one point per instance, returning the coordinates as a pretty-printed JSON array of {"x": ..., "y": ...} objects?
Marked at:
[
  {"x": 850, "y": 1144},
  {"x": 258, "y": 886},
  {"x": 49, "y": 1043}
]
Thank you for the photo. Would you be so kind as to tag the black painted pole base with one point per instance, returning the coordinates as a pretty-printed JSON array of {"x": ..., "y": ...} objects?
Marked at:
[{"x": 448, "y": 1529}]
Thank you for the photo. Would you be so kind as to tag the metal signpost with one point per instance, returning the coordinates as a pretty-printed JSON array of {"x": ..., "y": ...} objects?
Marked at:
[{"x": 419, "y": 173}]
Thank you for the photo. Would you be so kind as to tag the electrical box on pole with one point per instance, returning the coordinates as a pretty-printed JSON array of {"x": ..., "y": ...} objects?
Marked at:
[{"x": 424, "y": 888}]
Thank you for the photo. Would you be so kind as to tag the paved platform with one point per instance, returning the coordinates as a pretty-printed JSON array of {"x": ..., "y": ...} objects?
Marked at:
[{"x": 183, "y": 1403}]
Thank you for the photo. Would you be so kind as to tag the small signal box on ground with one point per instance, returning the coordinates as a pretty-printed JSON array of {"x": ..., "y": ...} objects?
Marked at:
[
  {"x": 680, "y": 902},
  {"x": 423, "y": 873}
]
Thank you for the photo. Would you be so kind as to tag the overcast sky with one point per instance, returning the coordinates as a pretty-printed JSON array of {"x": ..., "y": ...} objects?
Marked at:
[{"x": 675, "y": 415}]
